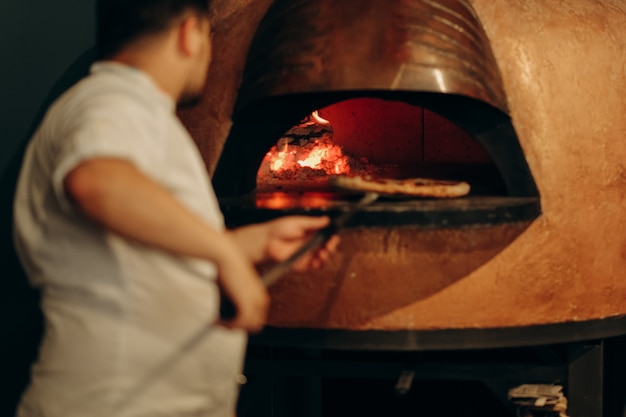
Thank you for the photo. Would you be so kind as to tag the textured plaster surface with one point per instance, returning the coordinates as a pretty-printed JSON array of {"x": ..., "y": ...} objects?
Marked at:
[{"x": 564, "y": 69}]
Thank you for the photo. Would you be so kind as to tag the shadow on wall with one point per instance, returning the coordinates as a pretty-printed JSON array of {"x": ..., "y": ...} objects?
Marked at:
[{"x": 22, "y": 322}]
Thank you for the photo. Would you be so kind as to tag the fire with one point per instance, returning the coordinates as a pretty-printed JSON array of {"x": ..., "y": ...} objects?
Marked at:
[
  {"x": 279, "y": 160},
  {"x": 318, "y": 155},
  {"x": 319, "y": 119},
  {"x": 328, "y": 157},
  {"x": 307, "y": 145},
  {"x": 314, "y": 160}
]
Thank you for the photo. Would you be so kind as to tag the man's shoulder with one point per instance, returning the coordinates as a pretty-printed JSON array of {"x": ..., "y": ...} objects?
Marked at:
[
  {"x": 98, "y": 93},
  {"x": 98, "y": 87}
]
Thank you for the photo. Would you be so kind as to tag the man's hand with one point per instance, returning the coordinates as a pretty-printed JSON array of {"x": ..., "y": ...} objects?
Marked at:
[
  {"x": 245, "y": 291},
  {"x": 278, "y": 239},
  {"x": 286, "y": 235}
]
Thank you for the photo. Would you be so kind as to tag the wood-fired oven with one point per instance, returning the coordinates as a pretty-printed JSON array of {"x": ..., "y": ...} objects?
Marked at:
[
  {"x": 522, "y": 99},
  {"x": 400, "y": 89}
]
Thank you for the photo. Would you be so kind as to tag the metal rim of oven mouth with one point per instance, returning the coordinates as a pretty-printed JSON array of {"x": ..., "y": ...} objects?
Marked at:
[{"x": 410, "y": 213}]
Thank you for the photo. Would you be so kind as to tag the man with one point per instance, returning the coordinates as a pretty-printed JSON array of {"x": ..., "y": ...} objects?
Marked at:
[{"x": 116, "y": 222}]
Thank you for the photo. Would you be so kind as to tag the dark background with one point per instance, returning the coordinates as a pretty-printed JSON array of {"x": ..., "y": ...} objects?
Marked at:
[{"x": 45, "y": 46}]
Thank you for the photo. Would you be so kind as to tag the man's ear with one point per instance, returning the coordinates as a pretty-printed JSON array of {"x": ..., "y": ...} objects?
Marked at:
[{"x": 189, "y": 36}]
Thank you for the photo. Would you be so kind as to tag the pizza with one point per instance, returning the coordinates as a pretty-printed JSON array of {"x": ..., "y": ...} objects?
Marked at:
[{"x": 417, "y": 187}]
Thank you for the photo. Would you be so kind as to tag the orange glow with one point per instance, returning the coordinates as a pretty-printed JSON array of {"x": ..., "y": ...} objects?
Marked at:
[
  {"x": 314, "y": 159},
  {"x": 328, "y": 157},
  {"x": 278, "y": 162},
  {"x": 318, "y": 155},
  {"x": 314, "y": 150},
  {"x": 282, "y": 200}
]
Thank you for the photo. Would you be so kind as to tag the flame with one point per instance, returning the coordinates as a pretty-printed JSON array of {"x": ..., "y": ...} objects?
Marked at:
[
  {"x": 278, "y": 162},
  {"x": 328, "y": 157},
  {"x": 320, "y": 154},
  {"x": 314, "y": 159},
  {"x": 319, "y": 119}
]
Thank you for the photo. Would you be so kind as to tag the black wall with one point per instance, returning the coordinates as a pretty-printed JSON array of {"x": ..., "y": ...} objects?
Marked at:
[{"x": 45, "y": 46}]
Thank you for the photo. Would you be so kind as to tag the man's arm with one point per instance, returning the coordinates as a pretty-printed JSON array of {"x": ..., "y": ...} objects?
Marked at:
[{"x": 114, "y": 193}]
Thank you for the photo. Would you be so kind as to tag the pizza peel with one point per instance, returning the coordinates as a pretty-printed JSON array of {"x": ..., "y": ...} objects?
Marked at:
[{"x": 227, "y": 309}]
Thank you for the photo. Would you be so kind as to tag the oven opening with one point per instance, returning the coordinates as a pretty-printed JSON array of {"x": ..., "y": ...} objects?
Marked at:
[
  {"x": 375, "y": 139},
  {"x": 282, "y": 152}
]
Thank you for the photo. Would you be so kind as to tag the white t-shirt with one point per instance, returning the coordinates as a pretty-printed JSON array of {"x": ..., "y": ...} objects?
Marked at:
[{"x": 116, "y": 309}]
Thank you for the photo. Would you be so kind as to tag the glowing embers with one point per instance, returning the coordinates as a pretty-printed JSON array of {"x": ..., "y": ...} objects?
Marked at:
[{"x": 306, "y": 153}]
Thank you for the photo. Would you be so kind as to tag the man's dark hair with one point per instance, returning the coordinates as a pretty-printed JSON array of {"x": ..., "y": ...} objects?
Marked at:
[{"x": 122, "y": 21}]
